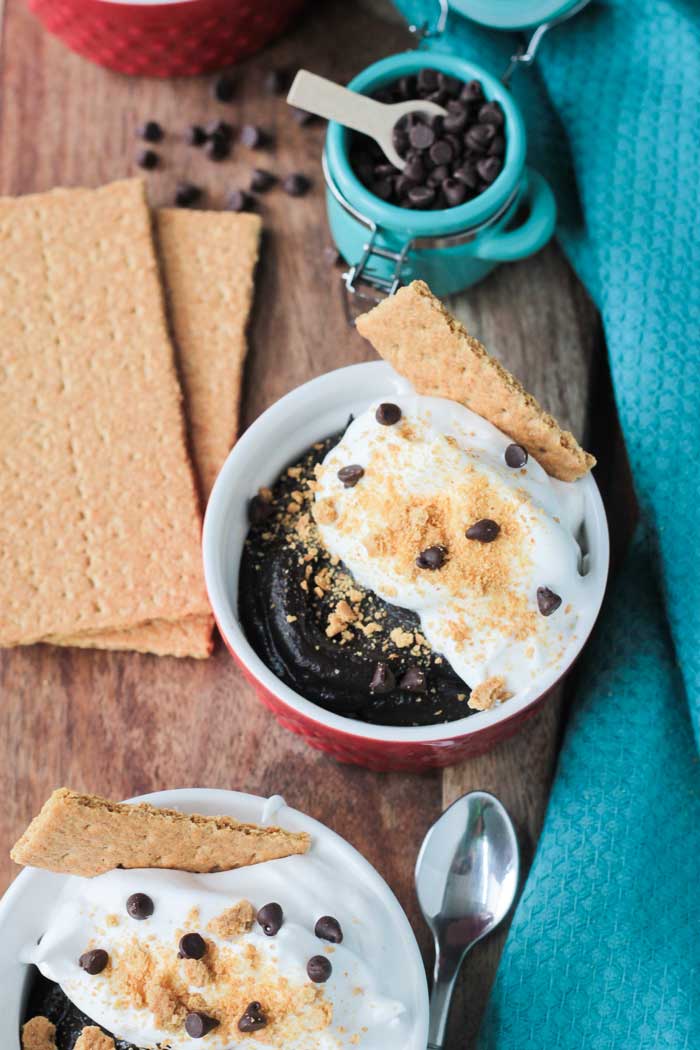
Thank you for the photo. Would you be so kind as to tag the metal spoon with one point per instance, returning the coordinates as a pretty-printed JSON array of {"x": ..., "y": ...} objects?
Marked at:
[
  {"x": 466, "y": 880},
  {"x": 327, "y": 99}
]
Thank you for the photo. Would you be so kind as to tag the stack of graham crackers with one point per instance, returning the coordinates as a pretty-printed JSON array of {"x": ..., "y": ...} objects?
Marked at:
[{"x": 101, "y": 500}]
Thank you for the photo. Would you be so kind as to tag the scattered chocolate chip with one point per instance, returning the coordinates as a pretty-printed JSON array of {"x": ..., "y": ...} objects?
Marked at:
[
  {"x": 296, "y": 185},
  {"x": 491, "y": 113},
  {"x": 383, "y": 680},
  {"x": 151, "y": 131},
  {"x": 421, "y": 136},
  {"x": 253, "y": 1019},
  {"x": 270, "y": 917},
  {"x": 276, "y": 81},
  {"x": 195, "y": 135},
  {"x": 387, "y": 414},
  {"x": 547, "y": 601},
  {"x": 239, "y": 200},
  {"x": 253, "y": 136},
  {"x": 140, "y": 906},
  {"x": 224, "y": 88},
  {"x": 328, "y": 929},
  {"x": 485, "y": 530},
  {"x": 261, "y": 180},
  {"x": 220, "y": 129},
  {"x": 432, "y": 558},
  {"x": 187, "y": 194},
  {"x": 515, "y": 456},
  {"x": 148, "y": 159},
  {"x": 319, "y": 968},
  {"x": 332, "y": 256},
  {"x": 489, "y": 168},
  {"x": 192, "y": 946},
  {"x": 217, "y": 148},
  {"x": 414, "y": 680},
  {"x": 301, "y": 116},
  {"x": 259, "y": 510},
  {"x": 197, "y": 1024},
  {"x": 94, "y": 961},
  {"x": 351, "y": 474}
]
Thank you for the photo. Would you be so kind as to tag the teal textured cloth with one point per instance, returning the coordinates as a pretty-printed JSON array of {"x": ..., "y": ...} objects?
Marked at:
[{"x": 604, "y": 949}]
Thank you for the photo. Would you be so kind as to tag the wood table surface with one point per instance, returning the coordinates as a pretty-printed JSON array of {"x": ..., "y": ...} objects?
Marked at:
[{"x": 123, "y": 724}]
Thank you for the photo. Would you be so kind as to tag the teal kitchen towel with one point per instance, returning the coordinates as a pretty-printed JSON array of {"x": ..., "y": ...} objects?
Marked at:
[{"x": 604, "y": 949}]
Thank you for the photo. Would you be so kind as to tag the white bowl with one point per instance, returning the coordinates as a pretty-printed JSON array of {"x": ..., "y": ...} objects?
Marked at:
[
  {"x": 25, "y": 908},
  {"x": 278, "y": 437}
]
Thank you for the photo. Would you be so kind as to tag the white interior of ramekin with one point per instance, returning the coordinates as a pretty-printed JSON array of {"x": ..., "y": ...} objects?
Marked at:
[
  {"x": 26, "y": 906},
  {"x": 309, "y": 413}
]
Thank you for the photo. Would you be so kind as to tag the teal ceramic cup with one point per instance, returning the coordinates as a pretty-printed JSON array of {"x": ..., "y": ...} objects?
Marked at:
[{"x": 449, "y": 248}]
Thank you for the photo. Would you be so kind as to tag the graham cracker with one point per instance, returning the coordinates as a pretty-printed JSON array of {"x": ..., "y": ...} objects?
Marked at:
[
  {"x": 191, "y": 636},
  {"x": 93, "y": 1038},
  {"x": 102, "y": 529},
  {"x": 413, "y": 331},
  {"x": 39, "y": 1034},
  {"x": 86, "y": 835}
]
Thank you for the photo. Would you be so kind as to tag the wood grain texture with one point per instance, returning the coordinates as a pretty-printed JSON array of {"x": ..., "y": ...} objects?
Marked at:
[{"x": 122, "y": 724}]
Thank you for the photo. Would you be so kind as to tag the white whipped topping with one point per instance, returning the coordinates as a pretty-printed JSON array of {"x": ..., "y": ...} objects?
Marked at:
[
  {"x": 369, "y": 1000},
  {"x": 428, "y": 456}
]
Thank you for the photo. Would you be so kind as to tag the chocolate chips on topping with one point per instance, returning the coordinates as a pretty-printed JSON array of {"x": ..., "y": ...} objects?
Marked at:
[
  {"x": 547, "y": 601},
  {"x": 383, "y": 680},
  {"x": 197, "y": 1024},
  {"x": 192, "y": 946},
  {"x": 485, "y": 530},
  {"x": 140, "y": 906},
  {"x": 515, "y": 456},
  {"x": 432, "y": 558},
  {"x": 270, "y": 917},
  {"x": 414, "y": 680},
  {"x": 351, "y": 474},
  {"x": 387, "y": 414},
  {"x": 319, "y": 969},
  {"x": 94, "y": 961},
  {"x": 328, "y": 929},
  {"x": 253, "y": 1019}
]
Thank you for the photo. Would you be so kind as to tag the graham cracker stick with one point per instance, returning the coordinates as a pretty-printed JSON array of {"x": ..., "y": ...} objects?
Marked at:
[
  {"x": 86, "y": 835},
  {"x": 413, "y": 331},
  {"x": 103, "y": 526}
]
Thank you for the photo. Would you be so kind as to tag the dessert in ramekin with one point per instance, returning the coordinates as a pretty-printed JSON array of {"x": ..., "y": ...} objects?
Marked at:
[
  {"x": 404, "y": 588},
  {"x": 306, "y": 950}
]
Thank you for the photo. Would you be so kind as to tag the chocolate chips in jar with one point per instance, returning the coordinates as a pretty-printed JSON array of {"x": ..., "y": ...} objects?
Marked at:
[{"x": 450, "y": 160}]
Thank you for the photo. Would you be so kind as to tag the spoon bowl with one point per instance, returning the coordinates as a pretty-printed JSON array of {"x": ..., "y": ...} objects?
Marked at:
[{"x": 466, "y": 881}]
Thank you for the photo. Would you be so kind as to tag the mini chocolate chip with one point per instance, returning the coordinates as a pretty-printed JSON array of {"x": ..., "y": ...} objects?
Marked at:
[
  {"x": 192, "y": 946},
  {"x": 491, "y": 113},
  {"x": 253, "y": 1019},
  {"x": 197, "y": 1025},
  {"x": 187, "y": 194},
  {"x": 455, "y": 121},
  {"x": 296, "y": 185},
  {"x": 270, "y": 917},
  {"x": 147, "y": 158},
  {"x": 441, "y": 152},
  {"x": 427, "y": 79},
  {"x": 472, "y": 91},
  {"x": 276, "y": 81},
  {"x": 217, "y": 148},
  {"x": 449, "y": 84},
  {"x": 195, "y": 135},
  {"x": 224, "y": 88},
  {"x": 383, "y": 680},
  {"x": 421, "y": 136},
  {"x": 455, "y": 192},
  {"x": 547, "y": 601},
  {"x": 387, "y": 414},
  {"x": 497, "y": 147},
  {"x": 383, "y": 188},
  {"x": 319, "y": 968},
  {"x": 414, "y": 680},
  {"x": 140, "y": 906},
  {"x": 239, "y": 200},
  {"x": 253, "y": 136},
  {"x": 219, "y": 128},
  {"x": 262, "y": 180},
  {"x": 414, "y": 169},
  {"x": 485, "y": 530},
  {"x": 94, "y": 961},
  {"x": 432, "y": 558},
  {"x": 515, "y": 456},
  {"x": 328, "y": 929},
  {"x": 479, "y": 137},
  {"x": 151, "y": 131},
  {"x": 351, "y": 474},
  {"x": 421, "y": 196},
  {"x": 437, "y": 176},
  {"x": 489, "y": 168},
  {"x": 466, "y": 174},
  {"x": 259, "y": 509}
]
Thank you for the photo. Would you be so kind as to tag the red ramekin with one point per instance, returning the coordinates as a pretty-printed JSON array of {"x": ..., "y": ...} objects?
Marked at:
[
  {"x": 158, "y": 38},
  {"x": 276, "y": 439}
]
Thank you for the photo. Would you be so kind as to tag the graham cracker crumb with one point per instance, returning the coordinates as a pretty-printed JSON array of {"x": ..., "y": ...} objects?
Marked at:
[
  {"x": 492, "y": 691},
  {"x": 39, "y": 1034},
  {"x": 324, "y": 512},
  {"x": 401, "y": 639},
  {"x": 234, "y": 921},
  {"x": 338, "y": 620},
  {"x": 93, "y": 1038}
]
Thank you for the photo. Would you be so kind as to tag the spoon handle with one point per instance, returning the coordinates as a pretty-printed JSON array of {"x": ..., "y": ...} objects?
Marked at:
[
  {"x": 444, "y": 977},
  {"x": 327, "y": 99}
]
